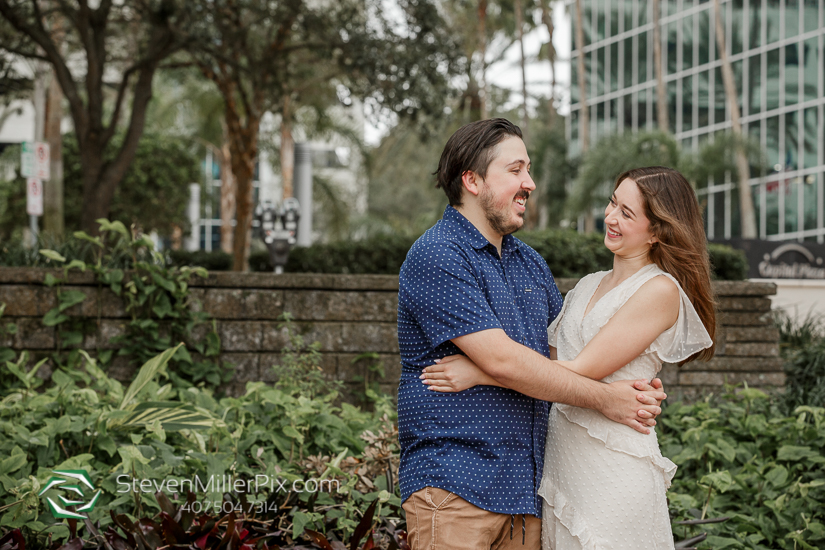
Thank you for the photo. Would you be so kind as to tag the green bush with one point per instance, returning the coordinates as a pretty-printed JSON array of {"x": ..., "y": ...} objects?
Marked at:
[
  {"x": 569, "y": 253},
  {"x": 216, "y": 260},
  {"x": 152, "y": 430},
  {"x": 744, "y": 459},
  {"x": 377, "y": 255},
  {"x": 77, "y": 417},
  {"x": 727, "y": 263},
  {"x": 805, "y": 371},
  {"x": 802, "y": 346}
]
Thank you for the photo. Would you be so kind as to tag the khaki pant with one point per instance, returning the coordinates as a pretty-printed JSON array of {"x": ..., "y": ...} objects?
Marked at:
[{"x": 441, "y": 520}]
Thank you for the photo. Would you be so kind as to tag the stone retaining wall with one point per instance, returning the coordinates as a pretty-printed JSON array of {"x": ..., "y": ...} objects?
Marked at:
[{"x": 350, "y": 315}]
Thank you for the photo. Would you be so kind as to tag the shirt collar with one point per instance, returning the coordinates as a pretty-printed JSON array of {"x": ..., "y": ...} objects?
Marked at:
[{"x": 470, "y": 233}]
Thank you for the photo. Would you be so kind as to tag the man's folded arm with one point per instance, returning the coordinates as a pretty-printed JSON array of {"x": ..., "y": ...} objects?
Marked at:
[
  {"x": 522, "y": 369},
  {"x": 526, "y": 371}
]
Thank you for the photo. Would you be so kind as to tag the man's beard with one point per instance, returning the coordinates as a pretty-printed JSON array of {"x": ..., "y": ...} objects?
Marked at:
[{"x": 499, "y": 221}]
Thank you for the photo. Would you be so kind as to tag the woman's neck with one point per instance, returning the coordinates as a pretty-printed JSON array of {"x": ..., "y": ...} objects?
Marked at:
[{"x": 625, "y": 266}]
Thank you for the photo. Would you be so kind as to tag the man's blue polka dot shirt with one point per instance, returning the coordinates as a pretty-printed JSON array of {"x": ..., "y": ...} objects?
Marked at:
[{"x": 486, "y": 444}]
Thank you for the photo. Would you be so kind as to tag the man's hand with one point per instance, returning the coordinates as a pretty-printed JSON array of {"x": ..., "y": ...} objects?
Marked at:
[{"x": 629, "y": 405}]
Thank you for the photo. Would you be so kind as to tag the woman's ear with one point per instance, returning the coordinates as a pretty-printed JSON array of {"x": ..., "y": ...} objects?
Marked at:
[{"x": 471, "y": 182}]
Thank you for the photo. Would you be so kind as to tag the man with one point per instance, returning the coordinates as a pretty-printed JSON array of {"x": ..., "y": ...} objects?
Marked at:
[{"x": 472, "y": 461}]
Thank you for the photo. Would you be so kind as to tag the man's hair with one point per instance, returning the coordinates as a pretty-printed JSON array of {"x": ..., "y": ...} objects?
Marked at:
[{"x": 471, "y": 147}]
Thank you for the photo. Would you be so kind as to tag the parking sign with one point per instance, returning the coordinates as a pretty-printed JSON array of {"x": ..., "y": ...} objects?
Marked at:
[
  {"x": 34, "y": 197},
  {"x": 42, "y": 160},
  {"x": 35, "y": 160}
]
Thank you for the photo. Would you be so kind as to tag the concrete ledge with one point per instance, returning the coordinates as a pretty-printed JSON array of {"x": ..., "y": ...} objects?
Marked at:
[{"x": 349, "y": 316}]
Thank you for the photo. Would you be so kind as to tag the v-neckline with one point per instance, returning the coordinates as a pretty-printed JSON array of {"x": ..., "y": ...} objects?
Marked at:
[
  {"x": 606, "y": 294},
  {"x": 593, "y": 295}
]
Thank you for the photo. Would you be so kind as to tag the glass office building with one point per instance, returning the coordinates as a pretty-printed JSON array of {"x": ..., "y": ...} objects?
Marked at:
[{"x": 776, "y": 51}]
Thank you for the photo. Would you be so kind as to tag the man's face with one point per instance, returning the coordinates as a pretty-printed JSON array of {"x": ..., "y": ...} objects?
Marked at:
[{"x": 505, "y": 190}]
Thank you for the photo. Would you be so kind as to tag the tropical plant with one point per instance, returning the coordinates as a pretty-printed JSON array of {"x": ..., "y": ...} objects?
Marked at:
[
  {"x": 740, "y": 457},
  {"x": 613, "y": 155},
  {"x": 715, "y": 160},
  {"x": 805, "y": 375},
  {"x": 156, "y": 297},
  {"x": 154, "y": 431}
]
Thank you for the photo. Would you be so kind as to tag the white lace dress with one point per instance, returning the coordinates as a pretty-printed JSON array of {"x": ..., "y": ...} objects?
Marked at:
[{"x": 604, "y": 483}]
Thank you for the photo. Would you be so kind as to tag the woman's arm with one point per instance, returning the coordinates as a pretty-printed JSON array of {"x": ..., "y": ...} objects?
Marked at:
[
  {"x": 456, "y": 373},
  {"x": 650, "y": 311},
  {"x": 653, "y": 309}
]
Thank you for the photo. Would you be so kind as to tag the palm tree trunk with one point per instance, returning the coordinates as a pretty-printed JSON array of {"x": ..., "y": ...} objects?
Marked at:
[
  {"x": 547, "y": 19},
  {"x": 747, "y": 213},
  {"x": 661, "y": 92},
  {"x": 228, "y": 194},
  {"x": 287, "y": 151},
  {"x": 53, "y": 219},
  {"x": 584, "y": 109},
  {"x": 520, "y": 37},
  {"x": 482, "y": 47}
]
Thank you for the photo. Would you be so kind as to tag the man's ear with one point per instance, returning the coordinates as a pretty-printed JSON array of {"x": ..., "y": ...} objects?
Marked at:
[{"x": 471, "y": 182}]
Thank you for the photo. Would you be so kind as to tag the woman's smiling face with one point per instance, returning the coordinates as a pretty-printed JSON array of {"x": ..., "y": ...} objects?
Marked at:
[{"x": 627, "y": 227}]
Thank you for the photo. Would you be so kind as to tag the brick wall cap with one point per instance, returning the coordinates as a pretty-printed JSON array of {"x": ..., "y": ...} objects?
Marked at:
[
  {"x": 225, "y": 279},
  {"x": 327, "y": 281}
]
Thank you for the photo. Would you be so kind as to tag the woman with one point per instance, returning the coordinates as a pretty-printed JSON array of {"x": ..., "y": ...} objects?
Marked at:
[{"x": 603, "y": 483}]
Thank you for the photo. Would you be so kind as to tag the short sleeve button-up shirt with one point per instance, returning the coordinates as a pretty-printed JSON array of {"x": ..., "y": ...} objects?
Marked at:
[{"x": 486, "y": 444}]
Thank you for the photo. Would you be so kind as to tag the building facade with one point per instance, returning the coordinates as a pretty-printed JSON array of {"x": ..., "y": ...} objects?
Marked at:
[{"x": 776, "y": 51}]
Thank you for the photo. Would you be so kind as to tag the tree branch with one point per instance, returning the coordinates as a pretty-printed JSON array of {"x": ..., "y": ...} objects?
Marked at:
[{"x": 38, "y": 34}]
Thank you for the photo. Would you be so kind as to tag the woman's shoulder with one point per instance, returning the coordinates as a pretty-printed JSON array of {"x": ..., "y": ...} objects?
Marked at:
[{"x": 659, "y": 285}]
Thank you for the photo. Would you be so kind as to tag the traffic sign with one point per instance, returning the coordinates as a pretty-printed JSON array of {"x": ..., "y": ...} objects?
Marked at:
[
  {"x": 34, "y": 197},
  {"x": 35, "y": 160},
  {"x": 27, "y": 159},
  {"x": 42, "y": 160}
]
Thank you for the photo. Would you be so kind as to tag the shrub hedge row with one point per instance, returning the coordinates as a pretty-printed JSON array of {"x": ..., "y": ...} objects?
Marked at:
[{"x": 568, "y": 253}]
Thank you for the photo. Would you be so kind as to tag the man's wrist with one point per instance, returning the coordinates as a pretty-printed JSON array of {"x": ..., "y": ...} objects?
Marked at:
[{"x": 601, "y": 395}]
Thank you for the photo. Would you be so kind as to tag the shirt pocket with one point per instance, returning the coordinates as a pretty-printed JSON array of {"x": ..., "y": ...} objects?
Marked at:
[{"x": 533, "y": 302}]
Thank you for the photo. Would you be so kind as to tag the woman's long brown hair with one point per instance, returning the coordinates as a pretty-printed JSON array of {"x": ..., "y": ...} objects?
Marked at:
[{"x": 676, "y": 221}]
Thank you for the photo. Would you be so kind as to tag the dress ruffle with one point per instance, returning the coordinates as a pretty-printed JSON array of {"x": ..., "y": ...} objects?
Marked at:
[
  {"x": 610, "y": 433},
  {"x": 567, "y": 515}
]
